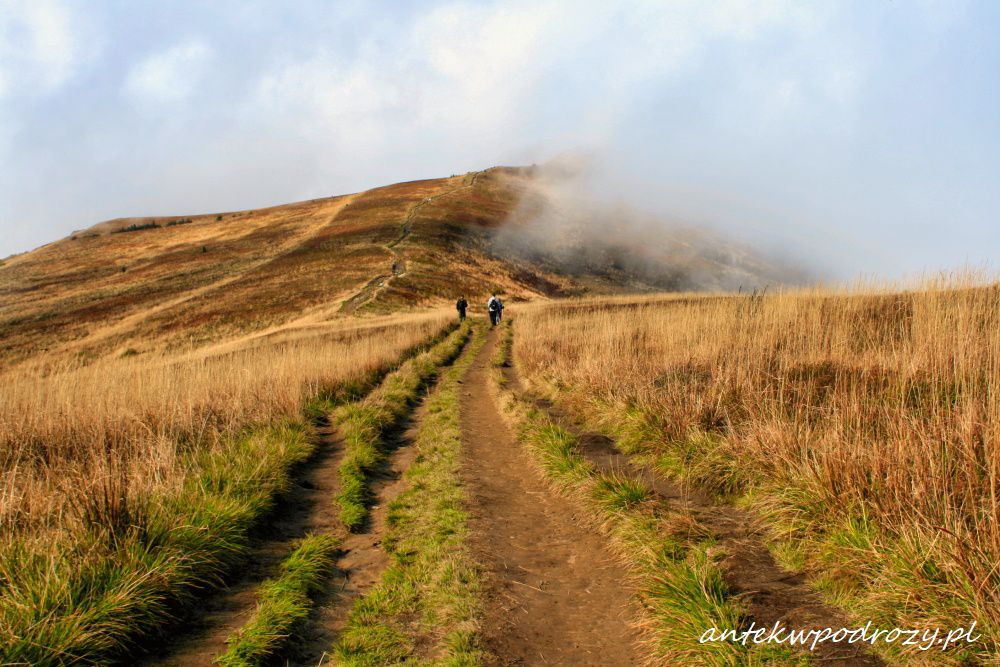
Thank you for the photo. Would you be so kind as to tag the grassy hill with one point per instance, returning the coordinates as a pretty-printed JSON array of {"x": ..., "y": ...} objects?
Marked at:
[
  {"x": 207, "y": 420},
  {"x": 139, "y": 284}
]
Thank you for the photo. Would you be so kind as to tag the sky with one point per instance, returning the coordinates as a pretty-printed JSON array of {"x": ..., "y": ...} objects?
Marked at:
[{"x": 860, "y": 137}]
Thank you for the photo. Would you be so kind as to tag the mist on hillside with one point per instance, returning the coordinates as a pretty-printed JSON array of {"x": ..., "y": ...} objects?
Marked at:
[{"x": 565, "y": 222}]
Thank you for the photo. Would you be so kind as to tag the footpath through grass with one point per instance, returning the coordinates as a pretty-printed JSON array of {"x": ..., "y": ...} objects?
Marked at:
[
  {"x": 115, "y": 589},
  {"x": 861, "y": 427},
  {"x": 286, "y": 600},
  {"x": 853, "y": 564},
  {"x": 426, "y": 607},
  {"x": 673, "y": 564},
  {"x": 365, "y": 423}
]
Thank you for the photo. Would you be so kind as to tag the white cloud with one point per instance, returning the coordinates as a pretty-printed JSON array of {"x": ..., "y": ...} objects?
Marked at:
[
  {"x": 457, "y": 64},
  {"x": 40, "y": 45},
  {"x": 170, "y": 76},
  {"x": 743, "y": 95},
  {"x": 469, "y": 79},
  {"x": 483, "y": 52},
  {"x": 322, "y": 99}
]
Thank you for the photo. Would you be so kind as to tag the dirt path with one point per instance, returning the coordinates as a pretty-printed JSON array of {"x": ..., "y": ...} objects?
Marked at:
[
  {"x": 771, "y": 593},
  {"x": 555, "y": 595},
  {"x": 376, "y": 285},
  {"x": 308, "y": 507},
  {"x": 363, "y": 559}
]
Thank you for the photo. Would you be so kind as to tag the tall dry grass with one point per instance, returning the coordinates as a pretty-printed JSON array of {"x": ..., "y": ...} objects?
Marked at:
[
  {"x": 864, "y": 426},
  {"x": 68, "y": 433},
  {"x": 129, "y": 486}
]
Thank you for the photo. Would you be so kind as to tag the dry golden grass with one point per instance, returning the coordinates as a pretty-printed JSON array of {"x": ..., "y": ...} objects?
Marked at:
[
  {"x": 129, "y": 485},
  {"x": 66, "y": 432},
  {"x": 863, "y": 425}
]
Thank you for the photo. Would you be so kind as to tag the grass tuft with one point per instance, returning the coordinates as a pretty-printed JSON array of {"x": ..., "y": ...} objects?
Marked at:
[
  {"x": 620, "y": 493},
  {"x": 285, "y": 602}
]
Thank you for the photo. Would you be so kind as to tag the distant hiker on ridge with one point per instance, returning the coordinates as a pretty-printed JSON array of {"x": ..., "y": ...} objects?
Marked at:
[
  {"x": 495, "y": 308},
  {"x": 460, "y": 306}
]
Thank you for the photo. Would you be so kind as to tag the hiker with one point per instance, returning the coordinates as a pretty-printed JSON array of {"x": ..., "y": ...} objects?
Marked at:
[
  {"x": 460, "y": 306},
  {"x": 494, "y": 307},
  {"x": 499, "y": 310}
]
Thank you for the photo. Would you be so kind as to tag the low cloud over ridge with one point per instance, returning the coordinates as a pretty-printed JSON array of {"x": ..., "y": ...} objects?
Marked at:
[{"x": 859, "y": 136}]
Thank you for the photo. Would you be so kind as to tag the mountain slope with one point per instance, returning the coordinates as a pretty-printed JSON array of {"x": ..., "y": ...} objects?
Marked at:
[{"x": 148, "y": 283}]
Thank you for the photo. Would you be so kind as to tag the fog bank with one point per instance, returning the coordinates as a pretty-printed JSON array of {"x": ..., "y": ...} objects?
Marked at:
[{"x": 569, "y": 221}]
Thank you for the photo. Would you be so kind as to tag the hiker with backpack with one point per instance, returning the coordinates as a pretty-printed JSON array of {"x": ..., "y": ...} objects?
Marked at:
[
  {"x": 460, "y": 306},
  {"x": 494, "y": 307}
]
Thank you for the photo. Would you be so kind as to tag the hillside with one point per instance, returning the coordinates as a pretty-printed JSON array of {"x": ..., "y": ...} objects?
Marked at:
[{"x": 138, "y": 284}]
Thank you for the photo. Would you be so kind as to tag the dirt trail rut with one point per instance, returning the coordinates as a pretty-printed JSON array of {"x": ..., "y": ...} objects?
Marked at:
[
  {"x": 363, "y": 558},
  {"x": 308, "y": 507},
  {"x": 555, "y": 595},
  {"x": 771, "y": 593}
]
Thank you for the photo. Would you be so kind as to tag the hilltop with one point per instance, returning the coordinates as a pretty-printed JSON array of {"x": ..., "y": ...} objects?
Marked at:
[{"x": 137, "y": 284}]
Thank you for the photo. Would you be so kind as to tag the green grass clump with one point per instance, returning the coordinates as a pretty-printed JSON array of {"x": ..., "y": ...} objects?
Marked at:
[
  {"x": 699, "y": 457},
  {"x": 285, "y": 602},
  {"x": 364, "y": 423},
  {"x": 620, "y": 492},
  {"x": 135, "y": 228},
  {"x": 426, "y": 605},
  {"x": 122, "y": 581}
]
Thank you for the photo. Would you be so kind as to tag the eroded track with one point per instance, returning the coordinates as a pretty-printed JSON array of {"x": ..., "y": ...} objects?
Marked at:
[
  {"x": 555, "y": 594},
  {"x": 398, "y": 266},
  {"x": 307, "y": 508}
]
